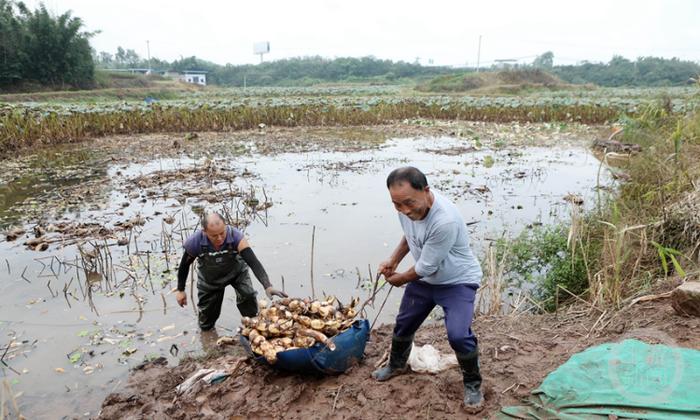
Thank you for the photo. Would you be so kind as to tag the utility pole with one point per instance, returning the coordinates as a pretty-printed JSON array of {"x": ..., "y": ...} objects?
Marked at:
[
  {"x": 148, "y": 49},
  {"x": 478, "y": 55}
]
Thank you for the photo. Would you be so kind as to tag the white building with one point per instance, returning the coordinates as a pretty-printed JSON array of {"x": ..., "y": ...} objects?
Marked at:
[
  {"x": 505, "y": 63},
  {"x": 194, "y": 77}
]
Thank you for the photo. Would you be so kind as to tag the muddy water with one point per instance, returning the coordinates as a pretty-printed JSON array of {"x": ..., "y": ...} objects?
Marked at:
[{"x": 68, "y": 354}]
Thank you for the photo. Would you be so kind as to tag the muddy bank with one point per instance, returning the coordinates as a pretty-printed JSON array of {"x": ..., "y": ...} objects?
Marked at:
[{"x": 516, "y": 354}]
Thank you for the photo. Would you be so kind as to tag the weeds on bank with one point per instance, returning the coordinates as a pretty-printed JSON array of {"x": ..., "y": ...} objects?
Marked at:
[{"x": 646, "y": 231}]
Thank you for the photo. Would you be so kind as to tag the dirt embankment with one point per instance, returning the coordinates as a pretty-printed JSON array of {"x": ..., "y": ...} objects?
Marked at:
[
  {"x": 516, "y": 354},
  {"x": 509, "y": 82}
]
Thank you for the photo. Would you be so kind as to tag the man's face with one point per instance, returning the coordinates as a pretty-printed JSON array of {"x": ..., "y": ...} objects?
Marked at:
[
  {"x": 411, "y": 202},
  {"x": 216, "y": 231}
]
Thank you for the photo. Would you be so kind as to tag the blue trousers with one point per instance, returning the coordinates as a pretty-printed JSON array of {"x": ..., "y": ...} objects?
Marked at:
[{"x": 457, "y": 301}]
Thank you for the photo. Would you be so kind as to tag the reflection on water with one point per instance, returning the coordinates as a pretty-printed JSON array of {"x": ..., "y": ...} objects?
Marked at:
[
  {"x": 71, "y": 354},
  {"x": 34, "y": 186}
]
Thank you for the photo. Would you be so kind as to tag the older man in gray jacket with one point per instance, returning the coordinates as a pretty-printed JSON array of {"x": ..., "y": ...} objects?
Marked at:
[{"x": 446, "y": 273}]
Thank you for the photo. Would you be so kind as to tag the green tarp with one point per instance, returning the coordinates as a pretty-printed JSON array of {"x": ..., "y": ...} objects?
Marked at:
[{"x": 630, "y": 379}]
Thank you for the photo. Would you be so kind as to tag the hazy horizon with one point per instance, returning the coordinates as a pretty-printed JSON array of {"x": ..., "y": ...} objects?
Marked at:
[{"x": 439, "y": 33}]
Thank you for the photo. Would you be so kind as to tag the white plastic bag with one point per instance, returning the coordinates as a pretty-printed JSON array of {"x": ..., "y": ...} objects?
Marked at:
[
  {"x": 428, "y": 359},
  {"x": 189, "y": 383}
]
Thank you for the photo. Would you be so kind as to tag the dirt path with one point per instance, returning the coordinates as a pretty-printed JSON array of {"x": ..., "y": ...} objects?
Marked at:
[{"x": 516, "y": 354}]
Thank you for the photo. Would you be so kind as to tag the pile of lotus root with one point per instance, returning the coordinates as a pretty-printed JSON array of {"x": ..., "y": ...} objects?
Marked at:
[{"x": 291, "y": 323}]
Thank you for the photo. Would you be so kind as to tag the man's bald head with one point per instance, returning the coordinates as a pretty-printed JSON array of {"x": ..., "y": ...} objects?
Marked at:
[
  {"x": 211, "y": 219},
  {"x": 214, "y": 226}
]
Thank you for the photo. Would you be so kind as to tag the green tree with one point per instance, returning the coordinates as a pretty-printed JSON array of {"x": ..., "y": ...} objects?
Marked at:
[
  {"x": 645, "y": 71},
  {"x": 131, "y": 58},
  {"x": 544, "y": 61},
  {"x": 308, "y": 70},
  {"x": 120, "y": 56},
  {"x": 57, "y": 50},
  {"x": 105, "y": 59},
  {"x": 12, "y": 38}
]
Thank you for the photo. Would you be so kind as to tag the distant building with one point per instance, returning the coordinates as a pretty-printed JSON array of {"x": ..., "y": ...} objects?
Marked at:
[
  {"x": 505, "y": 63},
  {"x": 195, "y": 77}
]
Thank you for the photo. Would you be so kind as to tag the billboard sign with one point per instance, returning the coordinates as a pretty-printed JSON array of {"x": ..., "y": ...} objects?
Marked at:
[{"x": 261, "y": 47}]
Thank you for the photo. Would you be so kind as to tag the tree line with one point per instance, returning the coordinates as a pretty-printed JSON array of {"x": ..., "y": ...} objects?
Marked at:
[
  {"x": 290, "y": 71},
  {"x": 38, "y": 47},
  {"x": 618, "y": 72}
]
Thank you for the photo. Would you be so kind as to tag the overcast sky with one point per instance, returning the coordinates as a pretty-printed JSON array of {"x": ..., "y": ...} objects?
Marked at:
[{"x": 446, "y": 32}]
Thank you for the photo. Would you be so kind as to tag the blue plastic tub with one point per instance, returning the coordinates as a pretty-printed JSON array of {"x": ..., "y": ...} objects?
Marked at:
[{"x": 349, "y": 348}]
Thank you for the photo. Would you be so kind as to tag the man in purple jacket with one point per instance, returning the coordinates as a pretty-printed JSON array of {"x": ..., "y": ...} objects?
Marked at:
[{"x": 223, "y": 255}]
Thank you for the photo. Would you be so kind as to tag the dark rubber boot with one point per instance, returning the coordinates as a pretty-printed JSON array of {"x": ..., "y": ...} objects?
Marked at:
[
  {"x": 469, "y": 364},
  {"x": 400, "y": 350}
]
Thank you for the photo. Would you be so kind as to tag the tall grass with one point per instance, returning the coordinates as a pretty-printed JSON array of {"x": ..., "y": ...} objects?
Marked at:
[
  {"x": 490, "y": 296},
  {"x": 639, "y": 236},
  {"x": 649, "y": 229}
]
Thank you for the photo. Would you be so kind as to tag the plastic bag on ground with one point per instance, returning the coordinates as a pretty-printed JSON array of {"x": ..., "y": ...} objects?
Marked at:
[
  {"x": 216, "y": 377},
  {"x": 187, "y": 384},
  {"x": 428, "y": 359}
]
